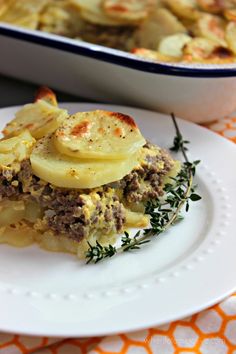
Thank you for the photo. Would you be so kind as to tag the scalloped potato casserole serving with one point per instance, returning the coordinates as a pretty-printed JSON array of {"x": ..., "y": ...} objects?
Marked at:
[
  {"x": 187, "y": 31},
  {"x": 72, "y": 180}
]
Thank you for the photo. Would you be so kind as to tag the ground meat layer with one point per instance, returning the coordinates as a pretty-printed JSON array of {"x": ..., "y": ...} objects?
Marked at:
[
  {"x": 79, "y": 213},
  {"x": 112, "y": 36}
]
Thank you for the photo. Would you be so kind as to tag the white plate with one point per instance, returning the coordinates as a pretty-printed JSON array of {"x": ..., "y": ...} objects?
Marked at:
[{"x": 185, "y": 270}]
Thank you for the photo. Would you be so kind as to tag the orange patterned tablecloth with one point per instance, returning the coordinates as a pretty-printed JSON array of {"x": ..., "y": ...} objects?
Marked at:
[{"x": 212, "y": 331}]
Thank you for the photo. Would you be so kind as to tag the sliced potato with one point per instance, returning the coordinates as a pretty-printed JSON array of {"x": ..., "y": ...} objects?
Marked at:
[
  {"x": 23, "y": 148},
  {"x": 216, "y": 6},
  {"x": 198, "y": 49},
  {"x": 62, "y": 18},
  {"x": 46, "y": 94},
  {"x": 184, "y": 8},
  {"x": 230, "y": 14},
  {"x": 7, "y": 159},
  {"x": 98, "y": 134},
  {"x": 159, "y": 24},
  {"x": 206, "y": 51},
  {"x": 40, "y": 118},
  {"x": 11, "y": 211},
  {"x": 33, "y": 211},
  {"x": 59, "y": 243},
  {"x": 19, "y": 234},
  {"x": 9, "y": 145},
  {"x": 63, "y": 171},
  {"x": 16, "y": 149},
  {"x": 130, "y": 10},
  {"x": 134, "y": 219},
  {"x": 231, "y": 36},
  {"x": 211, "y": 27},
  {"x": 6, "y": 145},
  {"x": 92, "y": 11},
  {"x": 212, "y": 6},
  {"x": 173, "y": 45},
  {"x": 23, "y": 13},
  {"x": 4, "y": 5}
]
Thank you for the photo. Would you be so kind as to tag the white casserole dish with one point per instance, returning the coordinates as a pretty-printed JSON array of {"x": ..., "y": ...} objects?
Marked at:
[{"x": 197, "y": 93}]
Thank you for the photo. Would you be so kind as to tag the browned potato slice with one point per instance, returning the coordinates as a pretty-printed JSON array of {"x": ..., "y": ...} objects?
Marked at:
[
  {"x": 230, "y": 14},
  {"x": 130, "y": 10},
  {"x": 216, "y": 6},
  {"x": 198, "y": 49},
  {"x": 40, "y": 118},
  {"x": 98, "y": 135},
  {"x": 160, "y": 23},
  {"x": 184, "y": 8},
  {"x": 211, "y": 27},
  {"x": 23, "y": 13},
  {"x": 46, "y": 94},
  {"x": 206, "y": 51},
  {"x": 212, "y": 6}
]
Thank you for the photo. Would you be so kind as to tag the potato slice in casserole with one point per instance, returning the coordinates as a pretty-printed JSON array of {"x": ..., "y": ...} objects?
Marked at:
[
  {"x": 184, "y": 8},
  {"x": 230, "y": 14},
  {"x": 160, "y": 23},
  {"x": 16, "y": 149},
  {"x": 173, "y": 45},
  {"x": 99, "y": 134},
  {"x": 211, "y": 27},
  {"x": 202, "y": 49},
  {"x": 130, "y": 10},
  {"x": 216, "y": 6},
  {"x": 39, "y": 118},
  {"x": 64, "y": 171},
  {"x": 23, "y": 13},
  {"x": 10, "y": 145},
  {"x": 92, "y": 12}
]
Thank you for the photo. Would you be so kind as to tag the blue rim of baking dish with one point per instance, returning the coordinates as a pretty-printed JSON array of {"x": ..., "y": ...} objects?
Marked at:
[{"x": 114, "y": 57}]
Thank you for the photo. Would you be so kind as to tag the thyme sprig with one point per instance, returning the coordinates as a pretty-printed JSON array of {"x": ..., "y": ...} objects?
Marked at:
[{"x": 163, "y": 212}]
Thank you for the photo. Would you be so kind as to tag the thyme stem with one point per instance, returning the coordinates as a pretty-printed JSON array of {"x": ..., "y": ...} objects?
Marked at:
[{"x": 179, "y": 136}]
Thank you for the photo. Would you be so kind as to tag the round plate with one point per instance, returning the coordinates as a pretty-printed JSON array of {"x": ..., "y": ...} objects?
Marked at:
[{"x": 184, "y": 270}]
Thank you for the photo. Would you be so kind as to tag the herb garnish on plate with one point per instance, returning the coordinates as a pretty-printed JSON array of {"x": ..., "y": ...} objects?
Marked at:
[{"x": 163, "y": 212}]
